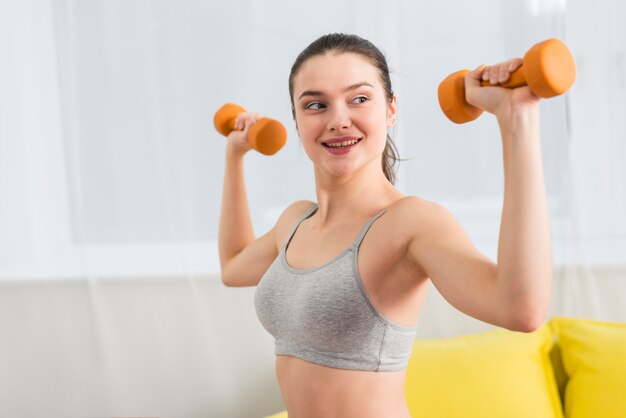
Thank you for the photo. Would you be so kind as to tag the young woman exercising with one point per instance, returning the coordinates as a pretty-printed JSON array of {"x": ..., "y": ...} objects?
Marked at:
[{"x": 341, "y": 281}]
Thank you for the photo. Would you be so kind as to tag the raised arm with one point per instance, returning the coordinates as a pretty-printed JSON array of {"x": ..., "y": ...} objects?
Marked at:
[
  {"x": 525, "y": 246},
  {"x": 515, "y": 292},
  {"x": 243, "y": 259}
]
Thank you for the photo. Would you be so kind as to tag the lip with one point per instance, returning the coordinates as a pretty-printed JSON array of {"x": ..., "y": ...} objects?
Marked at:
[
  {"x": 341, "y": 150},
  {"x": 339, "y": 139}
]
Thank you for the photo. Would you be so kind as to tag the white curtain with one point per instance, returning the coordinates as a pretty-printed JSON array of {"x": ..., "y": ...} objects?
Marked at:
[{"x": 111, "y": 174}]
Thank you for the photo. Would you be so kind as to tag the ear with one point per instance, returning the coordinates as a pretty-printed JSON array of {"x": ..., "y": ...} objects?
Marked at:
[{"x": 392, "y": 112}]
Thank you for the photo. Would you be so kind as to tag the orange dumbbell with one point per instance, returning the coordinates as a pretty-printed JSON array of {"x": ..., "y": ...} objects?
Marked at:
[
  {"x": 266, "y": 136},
  {"x": 548, "y": 69}
]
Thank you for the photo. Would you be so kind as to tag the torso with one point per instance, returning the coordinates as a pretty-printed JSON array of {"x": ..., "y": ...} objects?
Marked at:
[{"x": 396, "y": 291}]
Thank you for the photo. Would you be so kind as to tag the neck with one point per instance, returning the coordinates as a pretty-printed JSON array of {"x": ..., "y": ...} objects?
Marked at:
[{"x": 355, "y": 196}]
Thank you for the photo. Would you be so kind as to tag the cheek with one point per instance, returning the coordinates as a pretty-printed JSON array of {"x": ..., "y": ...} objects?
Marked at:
[
  {"x": 306, "y": 134},
  {"x": 308, "y": 129},
  {"x": 378, "y": 129}
]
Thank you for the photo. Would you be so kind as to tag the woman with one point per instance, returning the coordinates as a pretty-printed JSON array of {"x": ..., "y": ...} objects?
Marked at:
[{"x": 342, "y": 280}]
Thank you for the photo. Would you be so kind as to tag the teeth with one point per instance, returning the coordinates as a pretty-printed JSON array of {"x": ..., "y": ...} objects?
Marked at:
[{"x": 343, "y": 144}]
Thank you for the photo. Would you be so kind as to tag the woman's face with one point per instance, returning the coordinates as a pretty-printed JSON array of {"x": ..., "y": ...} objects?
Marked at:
[{"x": 342, "y": 113}]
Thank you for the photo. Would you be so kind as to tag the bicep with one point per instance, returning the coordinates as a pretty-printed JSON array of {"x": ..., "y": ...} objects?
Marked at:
[
  {"x": 460, "y": 273},
  {"x": 247, "y": 267}
]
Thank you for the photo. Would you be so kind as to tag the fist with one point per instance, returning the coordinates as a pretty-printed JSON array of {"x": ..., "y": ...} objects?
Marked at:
[
  {"x": 238, "y": 138},
  {"x": 493, "y": 98}
]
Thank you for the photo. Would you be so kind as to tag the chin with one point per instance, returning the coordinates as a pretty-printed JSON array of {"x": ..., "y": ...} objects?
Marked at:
[{"x": 342, "y": 170}]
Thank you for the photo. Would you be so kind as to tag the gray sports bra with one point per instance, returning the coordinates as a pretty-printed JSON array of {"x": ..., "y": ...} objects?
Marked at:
[{"x": 324, "y": 315}]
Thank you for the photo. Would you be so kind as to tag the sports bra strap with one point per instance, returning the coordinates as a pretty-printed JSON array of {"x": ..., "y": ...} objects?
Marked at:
[
  {"x": 366, "y": 227},
  {"x": 306, "y": 214},
  {"x": 313, "y": 208}
]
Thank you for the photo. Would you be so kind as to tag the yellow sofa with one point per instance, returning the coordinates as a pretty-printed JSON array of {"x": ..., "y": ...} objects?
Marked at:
[{"x": 568, "y": 368}]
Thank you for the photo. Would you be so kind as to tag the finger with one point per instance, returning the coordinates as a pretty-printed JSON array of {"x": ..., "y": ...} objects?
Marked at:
[
  {"x": 507, "y": 68},
  {"x": 493, "y": 74},
  {"x": 477, "y": 73},
  {"x": 485, "y": 74},
  {"x": 503, "y": 72},
  {"x": 240, "y": 121},
  {"x": 246, "y": 128},
  {"x": 243, "y": 120},
  {"x": 514, "y": 64},
  {"x": 250, "y": 120},
  {"x": 473, "y": 77}
]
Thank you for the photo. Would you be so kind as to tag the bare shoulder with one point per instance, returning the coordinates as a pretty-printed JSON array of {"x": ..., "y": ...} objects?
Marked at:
[
  {"x": 419, "y": 221},
  {"x": 424, "y": 229},
  {"x": 288, "y": 218},
  {"x": 420, "y": 215}
]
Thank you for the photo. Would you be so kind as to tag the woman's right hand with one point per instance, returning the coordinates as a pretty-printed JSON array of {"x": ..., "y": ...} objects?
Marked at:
[{"x": 238, "y": 140}]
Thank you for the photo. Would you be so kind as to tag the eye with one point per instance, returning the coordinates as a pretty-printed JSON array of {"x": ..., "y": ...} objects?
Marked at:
[
  {"x": 314, "y": 106},
  {"x": 360, "y": 99}
]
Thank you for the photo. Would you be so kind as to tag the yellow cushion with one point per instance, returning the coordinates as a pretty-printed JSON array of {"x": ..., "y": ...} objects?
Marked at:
[
  {"x": 496, "y": 374},
  {"x": 594, "y": 359},
  {"x": 279, "y": 415}
]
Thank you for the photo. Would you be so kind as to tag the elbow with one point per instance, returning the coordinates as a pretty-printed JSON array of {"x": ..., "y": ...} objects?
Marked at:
[
  {"x": 526, "y": 317},
  {"x": 526, "y": 312},
  {"x": 527, "y": 320},
  {"x": 225, "y": 277},
  {"x": 527, "y": 325},
  {"x": 232, "y": 278},
  {"x": 228, "y": 281}
]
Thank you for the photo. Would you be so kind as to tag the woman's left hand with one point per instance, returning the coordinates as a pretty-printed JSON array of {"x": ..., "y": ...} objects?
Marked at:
[{"x": 502, "y": 102}]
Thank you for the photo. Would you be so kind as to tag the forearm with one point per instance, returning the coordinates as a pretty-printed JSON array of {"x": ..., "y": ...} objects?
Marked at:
[
  {"x": 524, "y": 250},
  {"x": 235, "y": 229}
]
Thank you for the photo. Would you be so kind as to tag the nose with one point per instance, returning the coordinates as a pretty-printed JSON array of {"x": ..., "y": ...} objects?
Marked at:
[{"x": 338, "y": 118}]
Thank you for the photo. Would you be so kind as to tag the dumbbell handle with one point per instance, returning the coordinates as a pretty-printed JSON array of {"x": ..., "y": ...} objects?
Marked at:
[
  {"x": 516, "y": 79},
  {"x": 267, "y": 135}
]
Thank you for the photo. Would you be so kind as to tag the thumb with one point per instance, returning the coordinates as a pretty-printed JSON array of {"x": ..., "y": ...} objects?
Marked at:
[
  {"x": 476, "y": 73},
  {"x": 473, "y": 78},
  {"x": 249, "y": 120}
]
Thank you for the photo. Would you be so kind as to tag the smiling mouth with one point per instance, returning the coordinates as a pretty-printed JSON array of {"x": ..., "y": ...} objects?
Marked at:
[{"x": 342, "y": 144}]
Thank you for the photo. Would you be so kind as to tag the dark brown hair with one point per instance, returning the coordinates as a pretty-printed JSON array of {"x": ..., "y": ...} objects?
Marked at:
[{"x": 344, "y": 43}]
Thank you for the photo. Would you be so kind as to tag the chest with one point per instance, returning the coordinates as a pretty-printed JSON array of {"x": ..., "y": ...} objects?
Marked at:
[
  {"x": 377, "y": 249},
  {"x": 389, "y": 282}
]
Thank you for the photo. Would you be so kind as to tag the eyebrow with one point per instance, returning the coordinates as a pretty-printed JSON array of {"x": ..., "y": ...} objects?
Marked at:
[{"x": 319, "y": 93}]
